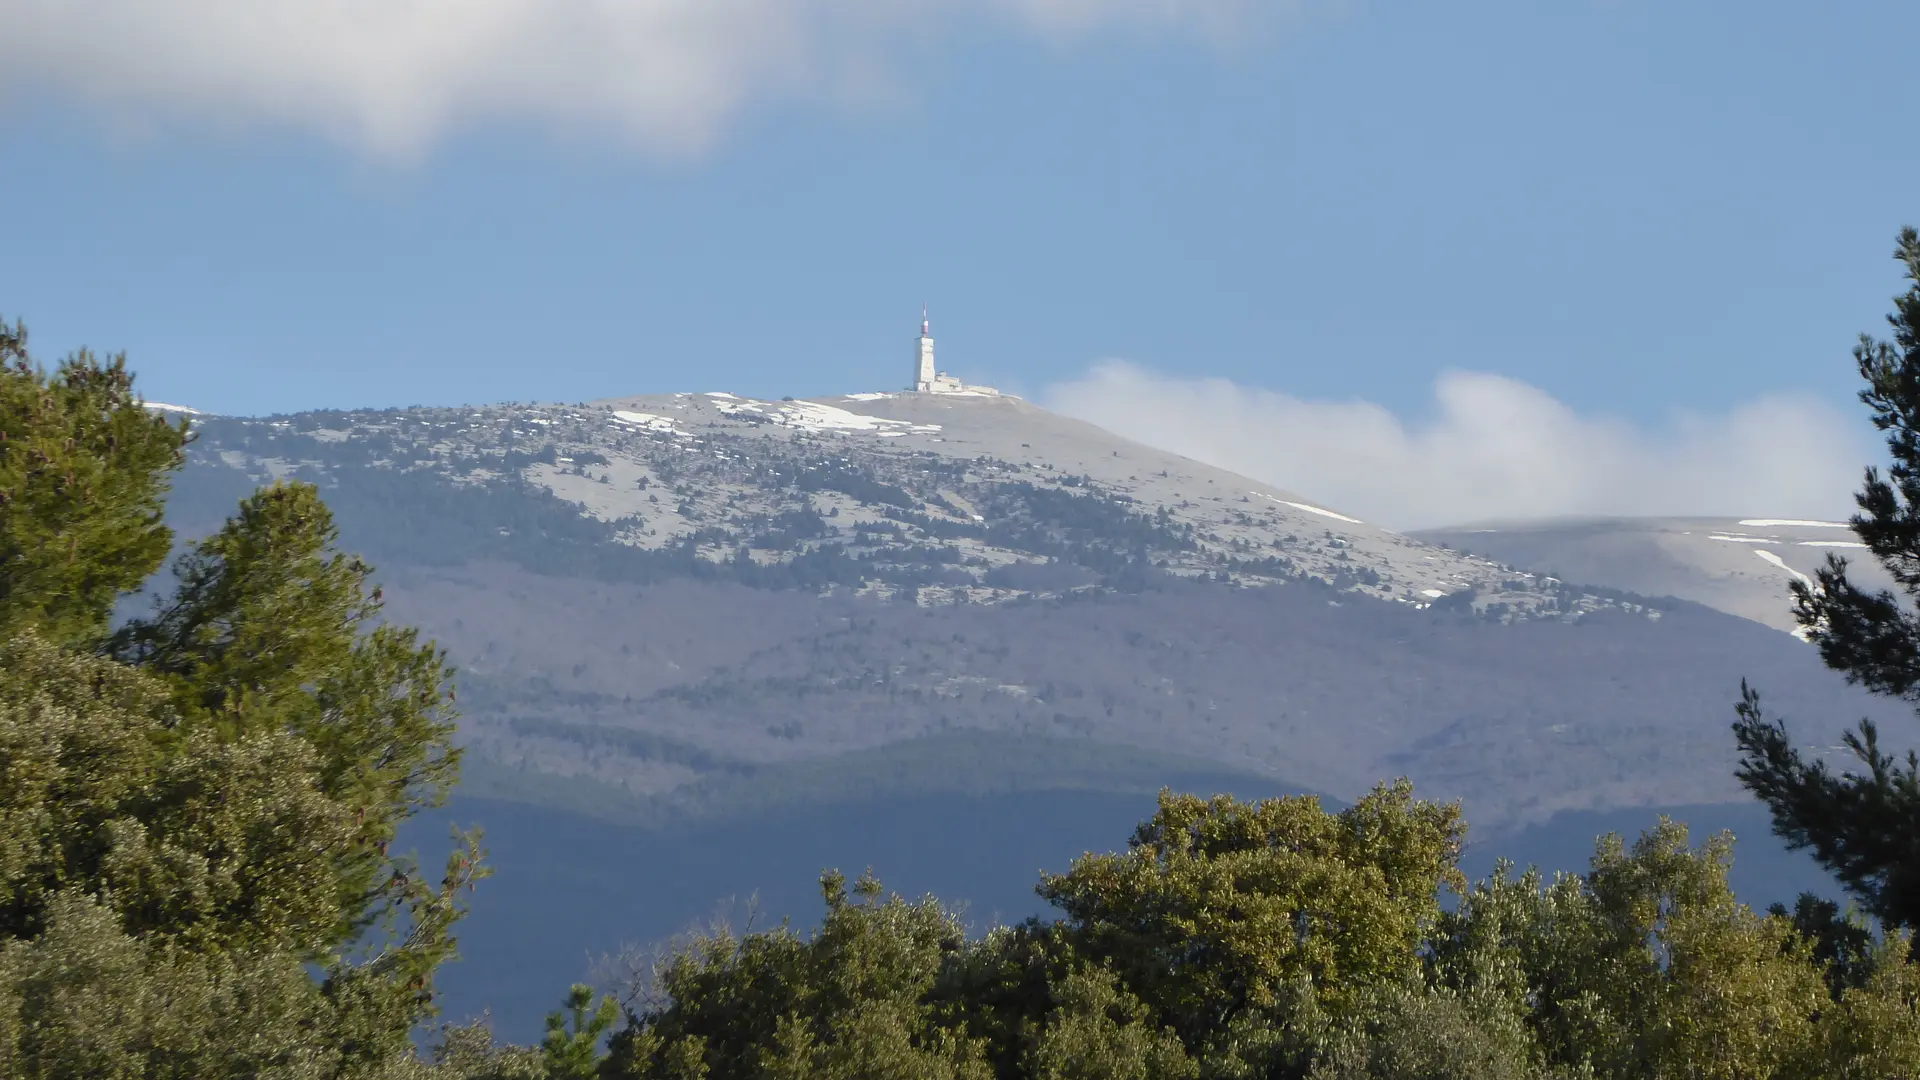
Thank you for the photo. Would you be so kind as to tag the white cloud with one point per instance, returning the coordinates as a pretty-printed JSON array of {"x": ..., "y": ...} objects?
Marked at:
[
  {"x": 391, "y": 76},
  {"x": 1494, "y": 448}
]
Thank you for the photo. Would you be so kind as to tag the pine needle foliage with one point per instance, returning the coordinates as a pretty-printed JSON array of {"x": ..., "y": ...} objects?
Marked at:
[
  {"x": 83, "y": 476},
  {"x": 1862, "y": 824}
]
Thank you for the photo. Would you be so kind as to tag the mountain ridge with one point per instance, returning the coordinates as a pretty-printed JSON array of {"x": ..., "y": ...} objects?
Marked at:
[{"x": 631, "y": 449}]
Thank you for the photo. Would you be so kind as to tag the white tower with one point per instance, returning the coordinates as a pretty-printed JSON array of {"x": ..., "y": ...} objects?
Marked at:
[{"x": 924, "y": 374}]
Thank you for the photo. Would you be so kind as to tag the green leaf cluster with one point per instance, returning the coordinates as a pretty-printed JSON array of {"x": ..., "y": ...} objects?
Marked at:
[
  {"x": 1218, "y": 906},
  {"x": 851, "y": 1001}
]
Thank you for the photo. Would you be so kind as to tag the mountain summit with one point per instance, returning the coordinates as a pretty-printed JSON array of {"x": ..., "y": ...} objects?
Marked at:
[{"x": 947, "y": 496}]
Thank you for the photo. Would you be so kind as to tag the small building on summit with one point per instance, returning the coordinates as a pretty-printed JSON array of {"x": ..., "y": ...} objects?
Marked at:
[{"x": 929, "y": 380}]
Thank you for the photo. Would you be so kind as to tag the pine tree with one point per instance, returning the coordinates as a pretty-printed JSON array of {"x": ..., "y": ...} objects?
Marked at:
[
  {"x": 574, "y": 1035},
  {"x": 272, "y": 629},
  {"x": 196, "y": 811},
  {"x": 1862, "y": 826},
  {"x": 83, "y": 473}
]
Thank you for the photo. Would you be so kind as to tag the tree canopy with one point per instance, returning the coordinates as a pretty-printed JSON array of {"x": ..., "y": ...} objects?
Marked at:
[
  {"x": 1231, "y": 939},
  {"x": 196, "y": 811}
]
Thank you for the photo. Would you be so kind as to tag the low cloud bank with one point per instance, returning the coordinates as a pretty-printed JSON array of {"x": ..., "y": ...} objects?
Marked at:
[
  {"x": 1495, "y": 447},
  {"x": 392, "y": 76}
]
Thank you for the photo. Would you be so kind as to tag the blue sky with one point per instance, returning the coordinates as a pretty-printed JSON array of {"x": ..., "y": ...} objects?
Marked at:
[{"x": 1639, "y": 209}]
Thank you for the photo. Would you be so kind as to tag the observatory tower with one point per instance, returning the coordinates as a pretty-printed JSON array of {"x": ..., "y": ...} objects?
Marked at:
[
  {"x": 928, "y": 379},
  {"x": 925, "y": 375}
]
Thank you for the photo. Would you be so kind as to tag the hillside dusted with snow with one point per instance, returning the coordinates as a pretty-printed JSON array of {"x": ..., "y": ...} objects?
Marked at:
[
  {"x": 1742, "y": 566},
  {"x": 946, "y": 497},
  {"x": 702, "y": 603}
]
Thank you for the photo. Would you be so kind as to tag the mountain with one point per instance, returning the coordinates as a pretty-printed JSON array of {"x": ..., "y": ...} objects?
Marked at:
[
  {"x": 1739, "y": 566},
  {"x": 708, "y": 646},
  {"x": 677, "y": 477},
  {"x": 701, "y": 604}
]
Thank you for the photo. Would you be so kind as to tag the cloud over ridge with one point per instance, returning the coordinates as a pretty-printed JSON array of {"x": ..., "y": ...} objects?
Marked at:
[
  {"x": 1494, "y": 448},
  {"x": 392, "y": 76}
]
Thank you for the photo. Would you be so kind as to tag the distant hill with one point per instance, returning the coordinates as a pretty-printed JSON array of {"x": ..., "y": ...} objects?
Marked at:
[{"x": 1742, "y": 566}]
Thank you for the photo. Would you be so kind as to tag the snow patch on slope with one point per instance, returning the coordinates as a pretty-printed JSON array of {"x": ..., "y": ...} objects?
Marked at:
[
  {"x": 1311, "y": 509},
  {"x": 813, "y": 416},
  {"x": 645, "y": 420},
  {"x": 1767, "y": 556},
  {"x": 1779, "y": 563}
]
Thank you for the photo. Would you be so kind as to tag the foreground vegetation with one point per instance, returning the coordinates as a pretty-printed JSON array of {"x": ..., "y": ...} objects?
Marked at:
[{"x": 196, "y": 811}]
